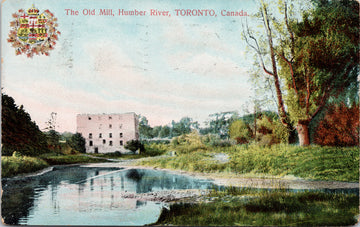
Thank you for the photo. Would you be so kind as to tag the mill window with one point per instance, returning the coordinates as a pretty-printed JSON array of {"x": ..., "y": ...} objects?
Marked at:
[
  {"x": 121, "y": 142},
  {"x": 90, "y": 143},
  {"x": 110, "y": 143},
  {"x": 110, "y": 135},
  {"x": 90, "y": 135},
  {"x": 121, "y": 134}
]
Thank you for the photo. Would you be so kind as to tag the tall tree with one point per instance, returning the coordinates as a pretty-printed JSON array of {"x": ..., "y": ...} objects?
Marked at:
[
  {"x": 145, "y": 129},
  {"x": 19, "y": 133},
  {"x": 219, "y": 123},
  {"x": 315, "y": 57},
  {"x": 77, "y": 142}
]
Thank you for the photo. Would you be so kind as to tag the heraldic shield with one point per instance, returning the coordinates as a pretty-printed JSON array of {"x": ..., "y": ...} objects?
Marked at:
[
  {"x": 33, "y": 32},
  {"x": 32, "y": 26}
]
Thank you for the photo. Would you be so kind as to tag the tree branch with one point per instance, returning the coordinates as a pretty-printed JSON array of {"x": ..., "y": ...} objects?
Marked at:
[
  {"x": 257, "y": 49},
  {"x": 292, "y": 48},
  {"x": 291, "y": 70}
]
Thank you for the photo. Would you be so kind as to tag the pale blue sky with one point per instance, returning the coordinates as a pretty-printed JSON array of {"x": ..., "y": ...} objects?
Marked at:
[{"x": 163, "y": 68}]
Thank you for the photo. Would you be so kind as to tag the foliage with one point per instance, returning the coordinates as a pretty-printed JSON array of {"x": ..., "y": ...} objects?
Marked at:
[
  {"x": 145, "y": 130},
  {"x": 155, "y": 149},
  {"x": 53, "y": 138},
  {"x": 214, "y": 140},
  {"x": 16, "y": 164},
  {"x": 184, "y": 126},
  {"x": 268, "y": 208},
  {"x": 315, "y": 57},
  {"x": 134, "y": 145},
  {"x": 313, "y": 162},
  {"x": 271, "y": 131},
  {"x": 164, "y": 131},
  {"x": 188, "y": 143},
  {"x": 340, "y": 126},
  {"x": 219, "y": 124},
  {"x": 51, "y": 123},
  {"x": 240, "y": 131},
  {"x": 326, "y": 57},
  {"x": 19, "y": 132},
  {"x": 77, "y": 142}
]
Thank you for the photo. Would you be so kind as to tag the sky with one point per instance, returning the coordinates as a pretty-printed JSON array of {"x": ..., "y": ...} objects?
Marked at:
[{"x": 161, "y": 67}]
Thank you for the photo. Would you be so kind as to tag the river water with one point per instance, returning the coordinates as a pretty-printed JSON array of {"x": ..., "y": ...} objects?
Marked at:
[{"x": 89, "y": 196}]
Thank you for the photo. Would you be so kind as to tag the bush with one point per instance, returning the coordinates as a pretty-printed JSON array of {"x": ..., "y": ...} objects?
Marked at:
[
  {"x": 214, "y": 140},
  {"x": 134, "y": 145},
  {"x": 77, "y": 142},
  {"x": 340, "y": 127},
  {"x": 240, "y": 131},
  {"x": 188, "y": 143},
  {"x": 270, "y": 131}
]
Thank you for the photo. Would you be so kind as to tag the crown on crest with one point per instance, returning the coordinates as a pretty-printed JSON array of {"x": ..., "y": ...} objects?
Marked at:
[{"x": 33, "y": 11}]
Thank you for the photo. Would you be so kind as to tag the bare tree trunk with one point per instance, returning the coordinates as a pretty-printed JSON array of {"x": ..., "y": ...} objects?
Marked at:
[{"x": 303, "y": 133}]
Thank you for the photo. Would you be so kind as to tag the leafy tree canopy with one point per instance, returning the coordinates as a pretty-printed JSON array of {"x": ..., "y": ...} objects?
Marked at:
[{"x": 19, "y": 133}]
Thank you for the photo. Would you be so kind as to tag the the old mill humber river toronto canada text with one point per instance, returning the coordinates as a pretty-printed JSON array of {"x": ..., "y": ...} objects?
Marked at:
[{"x": 156, "y": 12}]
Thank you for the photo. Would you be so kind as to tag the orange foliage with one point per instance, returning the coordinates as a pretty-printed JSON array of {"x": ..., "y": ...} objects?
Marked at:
[{"x": 340, "y": 127}]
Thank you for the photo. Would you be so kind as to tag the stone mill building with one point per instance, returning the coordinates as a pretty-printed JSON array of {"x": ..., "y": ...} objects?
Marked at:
[{"x": 106, "y": 133}]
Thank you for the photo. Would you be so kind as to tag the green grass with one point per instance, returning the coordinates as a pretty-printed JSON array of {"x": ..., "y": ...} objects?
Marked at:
[
  {"x": 69, "y": 159},
  {"x": 313, "y": 162},
  {"x": 14, "y": 165},
  {"x": 276, "y": 208},
  {"x": 151, "y": 150}
]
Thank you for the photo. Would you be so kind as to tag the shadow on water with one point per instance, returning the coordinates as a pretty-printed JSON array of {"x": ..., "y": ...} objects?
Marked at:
[{"x": 134, "y": 175}]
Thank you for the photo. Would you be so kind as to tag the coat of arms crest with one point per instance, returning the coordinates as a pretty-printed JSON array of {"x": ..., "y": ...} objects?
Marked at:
[{"x": 33, "y": 32}]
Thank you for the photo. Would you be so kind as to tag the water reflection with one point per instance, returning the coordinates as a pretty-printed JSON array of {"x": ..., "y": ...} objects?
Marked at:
[{"x": 88, "y": 196}]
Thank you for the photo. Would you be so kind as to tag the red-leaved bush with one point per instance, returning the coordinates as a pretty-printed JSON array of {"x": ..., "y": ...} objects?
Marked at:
[{"x": 340, "y": 126}]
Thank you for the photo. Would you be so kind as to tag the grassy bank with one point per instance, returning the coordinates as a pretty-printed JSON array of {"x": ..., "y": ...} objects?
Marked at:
[
  {"x": 13, "y": 165},
  {"x": 69, "y": 159},
  {"x": 151, "y": 150},
  {"x": 279, "y": 208},
  {"x": 313, "y": 162}
]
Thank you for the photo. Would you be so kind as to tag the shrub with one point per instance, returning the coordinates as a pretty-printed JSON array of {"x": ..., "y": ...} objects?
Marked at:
[
  {"x": 270, "y": 131},
  {"x": 134, "y": 145},
  {"x": 240, "y": 131},
  {"x": 188, "y": 143},
  {"x": 214, "y": 140},
  {"x": 77, "y": 142},
  {"x": 340, "y": 127}
]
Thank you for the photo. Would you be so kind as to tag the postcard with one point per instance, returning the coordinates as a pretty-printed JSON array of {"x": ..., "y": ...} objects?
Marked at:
[{"x": 159, "y": 112}]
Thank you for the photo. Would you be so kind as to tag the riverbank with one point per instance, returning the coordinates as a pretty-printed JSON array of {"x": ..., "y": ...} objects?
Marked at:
[
  {"x": 18, "y": 165},
  {"x": 235, "y": 180},
  {"x": 246, "y": 204}
]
